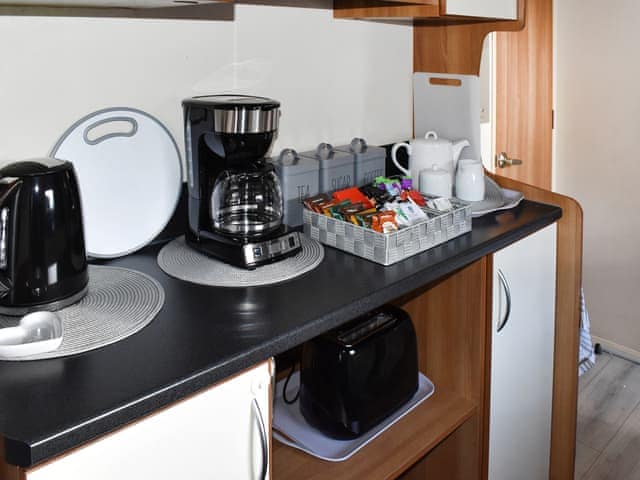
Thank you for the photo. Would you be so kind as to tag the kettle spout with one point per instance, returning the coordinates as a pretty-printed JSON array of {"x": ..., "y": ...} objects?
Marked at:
[{"x": 457, "y": 150}]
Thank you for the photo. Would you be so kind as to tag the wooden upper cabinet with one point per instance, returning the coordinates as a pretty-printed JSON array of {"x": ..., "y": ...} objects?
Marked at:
[
  {"x": 129, "y": 4},
  {"x": 432, "y": 11}
]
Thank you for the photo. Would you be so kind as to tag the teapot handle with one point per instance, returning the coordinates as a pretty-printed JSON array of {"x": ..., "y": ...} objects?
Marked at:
[
  {"x": 9, "y": 187},
  {"x": 394, "y": 152}
]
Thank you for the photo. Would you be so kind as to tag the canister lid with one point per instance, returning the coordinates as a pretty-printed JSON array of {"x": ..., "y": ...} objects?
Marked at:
[
  {"x": 362, "y": 151},
  {"x": 329, "y": 157},
  {"x": 290, "y": 163}
]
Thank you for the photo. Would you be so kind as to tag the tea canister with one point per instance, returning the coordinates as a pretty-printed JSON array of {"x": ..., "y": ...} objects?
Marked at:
[
  {"x": 336, "y": 167},
  {"x": 299, "y": 179}
]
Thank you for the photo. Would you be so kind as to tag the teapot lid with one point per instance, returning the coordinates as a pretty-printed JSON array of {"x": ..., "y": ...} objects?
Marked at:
[
  {"x": 436, "y": 170},
  {"x": 34, "y": 166},
  {"x": 432, "y": 138}
]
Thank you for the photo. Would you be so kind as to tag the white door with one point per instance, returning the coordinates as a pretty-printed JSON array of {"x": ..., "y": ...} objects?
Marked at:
[
  {"x": 220, "y": 433},
  {"x": 524, "y": 281}
]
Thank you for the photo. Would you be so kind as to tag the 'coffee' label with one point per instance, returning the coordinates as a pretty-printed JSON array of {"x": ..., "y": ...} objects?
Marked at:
[{"x": 371, "y": 175}]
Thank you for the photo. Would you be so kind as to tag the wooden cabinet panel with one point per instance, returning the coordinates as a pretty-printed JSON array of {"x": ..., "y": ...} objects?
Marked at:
[
  {"x": 135, "y": 4},
  {"x": 456, "y": 48}
]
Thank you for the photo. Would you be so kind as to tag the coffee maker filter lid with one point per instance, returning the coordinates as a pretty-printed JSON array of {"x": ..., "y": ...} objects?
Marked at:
[{"x": 233, "y": 102}]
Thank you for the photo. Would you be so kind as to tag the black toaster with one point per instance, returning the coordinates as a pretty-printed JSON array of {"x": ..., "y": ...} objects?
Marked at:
[{"x": 353, "y": 377}]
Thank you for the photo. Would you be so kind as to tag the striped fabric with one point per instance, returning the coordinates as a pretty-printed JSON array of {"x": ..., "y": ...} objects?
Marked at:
[{"x": 587, "y": 358}]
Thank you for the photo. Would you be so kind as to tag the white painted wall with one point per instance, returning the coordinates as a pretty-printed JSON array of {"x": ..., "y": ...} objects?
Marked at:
[
  {"x": 597, "y": 135},
  {"x": 335, "y": 78}
]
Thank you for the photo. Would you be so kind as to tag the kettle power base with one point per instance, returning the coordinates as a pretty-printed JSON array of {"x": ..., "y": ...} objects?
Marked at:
[
  {"x": 179, "y": 260},
  {"x": 119, "y": 303},
  {"x": 292, "y": 429}
]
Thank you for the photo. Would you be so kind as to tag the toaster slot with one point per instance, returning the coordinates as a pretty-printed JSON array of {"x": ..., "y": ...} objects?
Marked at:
[{"x": 364, "y": 329}]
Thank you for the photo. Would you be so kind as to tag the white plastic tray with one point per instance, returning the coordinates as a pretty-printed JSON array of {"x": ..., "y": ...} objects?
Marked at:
[{"x": 292, "y": 429}]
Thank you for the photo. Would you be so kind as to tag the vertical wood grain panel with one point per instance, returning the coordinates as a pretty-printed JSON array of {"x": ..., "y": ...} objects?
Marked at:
[
  {"x": 568, "y": 284},
  {"x": 8, "y": 472},
  {"x": 450, "y": 321},
  {"x": 524, "y": 96}
]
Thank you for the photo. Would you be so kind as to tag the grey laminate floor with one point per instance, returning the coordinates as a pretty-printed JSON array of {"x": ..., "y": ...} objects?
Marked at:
[{"x": 608, "y": 445}]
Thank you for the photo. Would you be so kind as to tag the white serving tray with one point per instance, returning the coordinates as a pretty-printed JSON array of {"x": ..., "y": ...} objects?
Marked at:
[{"x": 292, "y": 429}]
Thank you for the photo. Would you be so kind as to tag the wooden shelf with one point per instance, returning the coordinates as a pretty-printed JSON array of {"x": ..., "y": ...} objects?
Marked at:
[
  {"x": 389, "y": 455},
  {"x": 427, "y": 12},
  {"x": 376, "y": 10}
]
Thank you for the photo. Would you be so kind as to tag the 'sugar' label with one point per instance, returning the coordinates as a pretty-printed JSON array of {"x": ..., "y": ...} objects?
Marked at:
[{"x": 338, "y": 183}]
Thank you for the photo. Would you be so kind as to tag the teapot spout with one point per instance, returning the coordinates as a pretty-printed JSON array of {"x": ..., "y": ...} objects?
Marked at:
[{"x": 457, "y": 150}]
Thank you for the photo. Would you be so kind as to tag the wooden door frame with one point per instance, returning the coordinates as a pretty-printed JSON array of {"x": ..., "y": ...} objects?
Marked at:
[{"x": 457, "y": 49}]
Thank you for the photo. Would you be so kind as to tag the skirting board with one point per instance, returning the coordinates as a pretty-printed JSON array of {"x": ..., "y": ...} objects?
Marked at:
[{"x": 616, "y": 349}]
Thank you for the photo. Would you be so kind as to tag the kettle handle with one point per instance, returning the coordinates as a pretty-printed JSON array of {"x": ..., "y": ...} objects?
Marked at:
[{"x": 9, "y": 187}]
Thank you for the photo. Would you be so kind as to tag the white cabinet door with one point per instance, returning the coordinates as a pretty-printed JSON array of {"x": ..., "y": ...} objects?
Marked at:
[
  {"x": 500, "y": 9},
  {"x": 524, "y": 280},
  {"x": 215, "y": 434}
]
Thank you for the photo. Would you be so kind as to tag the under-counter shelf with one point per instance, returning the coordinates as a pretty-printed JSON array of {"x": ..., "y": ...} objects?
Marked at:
[{"x": 389, "y": 455}]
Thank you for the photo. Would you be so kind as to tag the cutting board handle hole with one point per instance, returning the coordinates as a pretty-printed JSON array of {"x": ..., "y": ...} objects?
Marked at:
[
  {"x": 448, "y": 82},
  {"x": 108, "y": 128}
]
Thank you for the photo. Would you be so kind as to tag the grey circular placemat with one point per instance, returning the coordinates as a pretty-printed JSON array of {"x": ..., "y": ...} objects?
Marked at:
[
  {"x": 179, "y": 260},
  {"x": 119, "y": 303}
]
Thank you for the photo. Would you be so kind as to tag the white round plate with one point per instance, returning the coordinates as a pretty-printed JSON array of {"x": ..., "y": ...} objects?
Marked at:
[{"x": 130, "y": 177}]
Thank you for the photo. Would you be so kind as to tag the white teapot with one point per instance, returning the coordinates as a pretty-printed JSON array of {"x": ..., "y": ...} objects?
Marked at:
[{"x": 428, "y": 151}]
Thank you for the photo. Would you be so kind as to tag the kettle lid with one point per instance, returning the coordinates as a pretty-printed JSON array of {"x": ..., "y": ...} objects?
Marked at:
[{"x": 34, "y": 166}]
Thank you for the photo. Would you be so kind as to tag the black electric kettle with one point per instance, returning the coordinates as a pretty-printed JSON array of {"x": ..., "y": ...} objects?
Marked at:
[{"x": 43, "y": 262}]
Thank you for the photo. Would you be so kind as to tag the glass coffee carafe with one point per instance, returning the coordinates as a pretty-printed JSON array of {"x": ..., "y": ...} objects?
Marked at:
[{"x": 247, "y": 203}]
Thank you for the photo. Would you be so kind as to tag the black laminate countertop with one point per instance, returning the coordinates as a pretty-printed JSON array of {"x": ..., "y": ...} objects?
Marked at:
[{"x": 205, "y": 334}]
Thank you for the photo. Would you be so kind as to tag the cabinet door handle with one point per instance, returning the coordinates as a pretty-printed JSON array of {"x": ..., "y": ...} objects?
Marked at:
[
  {"x": 505, "y": 285},
  {"x": 264, "y": 441}
]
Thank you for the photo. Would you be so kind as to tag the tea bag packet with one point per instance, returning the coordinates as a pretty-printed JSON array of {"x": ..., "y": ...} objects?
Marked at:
[{"x": 440, "y": 204}]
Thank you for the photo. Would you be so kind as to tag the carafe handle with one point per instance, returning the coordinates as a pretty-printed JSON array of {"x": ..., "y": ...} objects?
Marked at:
[{"x": 9, "y": 187}]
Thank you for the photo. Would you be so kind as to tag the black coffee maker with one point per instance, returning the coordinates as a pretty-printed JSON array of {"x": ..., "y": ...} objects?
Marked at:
[
  {"x": 43, "y": 262},
  {"x": 235, "y": 199}
]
